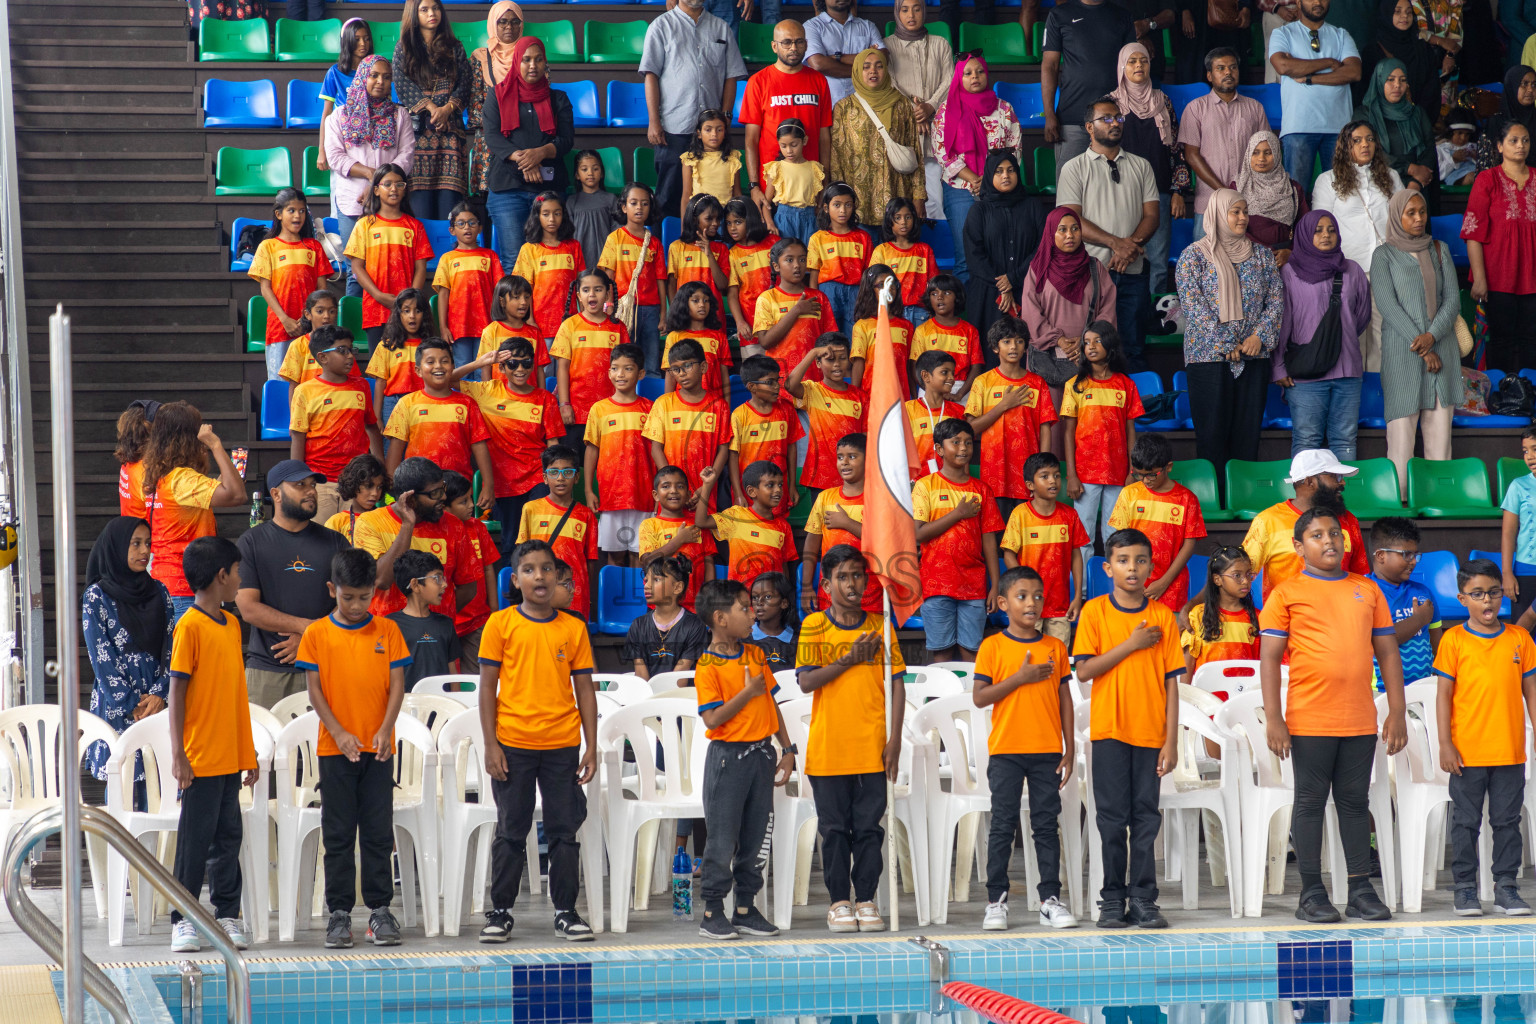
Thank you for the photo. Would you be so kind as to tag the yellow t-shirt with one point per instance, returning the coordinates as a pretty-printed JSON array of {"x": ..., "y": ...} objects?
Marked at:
[
  {"x": 712, "y": 174},
  {"x": 794, "y": 184},
  {"x": 848, "y": 730},
  {"x": 535, "y": 691}
]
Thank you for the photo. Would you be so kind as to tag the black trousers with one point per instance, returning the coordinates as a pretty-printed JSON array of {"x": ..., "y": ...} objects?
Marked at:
[
  {"x": 208, "y": 841},
  {"x": 553, "y": 772},
  {"x": 306, "y": 10},
  {"x": 669, "y": 177},
  {"x": 357, "y": 808},
  {"x": 435, "y": 203},
  {"x": 1340, "y": 765},
  {"x": 848, "y": 811},
  {"x": 509, "y": 512},
  {"x": 1006, "y": 775},
  {"x": 738, "y": 805},
  {"x": 1125, "y": 786},
  {"x": 1504, "y": 787},
  {"x": 1228, "y": 411},
  {"x": 949, "y": 13},
  {"x": 1511, "y": 331}
]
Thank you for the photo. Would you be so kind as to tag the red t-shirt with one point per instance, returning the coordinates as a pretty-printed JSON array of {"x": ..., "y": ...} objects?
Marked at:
[
  {"x": 441, "y": 429},
  {"x": 470, "y": 275},
  {"x": 389, "y": 250},
  {"x": 375, "y": 531},
  {"x": 1045, "y": 544},
  {"x": 773, "y": 96},
  {"x": 520, "y": 427},
  {"x": 1168, "y": 518},
  {"x": 474, "y": 613},
  {"x": 952, "y": 563}
]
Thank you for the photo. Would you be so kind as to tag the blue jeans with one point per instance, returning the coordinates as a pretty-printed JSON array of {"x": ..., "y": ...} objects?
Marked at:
[
  {"x": 770, "y": 11},
  {"x": 344, "y": 226},
  {"x": 1158, "y": 246},
  {"x": 1133, "y": 299},
  {"x": 958, "y": 203},
  {"x": 179, "y": 606},
  {"x": 916, "y": 315},
  {"x": 390, "y": 401},
  {"x": 276, "y": 352},
  {"x": 1325, "y": 408},
  {"x": 648, "y": 336},
  {"x": 795, "y": 222},
  {"x": 464, "y": 351},
  {"x": 1093, "y": 508},
  {"x": 842, "y": 297},
  {"x": 948, "y": 621},
  {"x": 1299, "y": 151},
  {"x": 725, "y": 10},
  {"x": 508, "y": 212}
]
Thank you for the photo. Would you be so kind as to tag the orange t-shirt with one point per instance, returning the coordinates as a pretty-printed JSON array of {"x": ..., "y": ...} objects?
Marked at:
[
  {"x": 294, "y": 270},
  {"x": 520, "y": 427},
  {"x": 751, "y": 274},
  {"x": 586, "y": 346},
  {"x": 576, "y": 544},
  {"x": 717, "y": 356},
  {"x": 396, "y": 367},
  {"x": 334, "y": 419},
  {"x": 1270, "y": 548},
  {"x": 621, "y": 254},
  {"x": 1009, "y": 441},
  {"x": 770, "y": 438},
  {"x": 1328, "y": 625},
  {"x": 497, "y": 332},
  {"x": 953, "y": 563},
  {"x": 685, "y": 261},
  {"x": 832, "y": 415},
  {"x": 922, "y": 418},
  {"x": 1237, "y": 641},
  {"x": 847, "y": 735},
  {"x": 551, "y": 272},
  {"x": 961, "y": 341},
  {"x": 816, "y": 523},
  {"x": 1168, "y": 519},
  {"x": 470, "y": 275},
  {"x": 757, "y": 545},
  {"x": 718, "y": 678},
  {"x": 441, "y": 429},
  {"x": 389, "y": 250},
  {"x": 130, "y": 490},
  {"x": 354, "y": 663},
  {"x": 863, "y": 347},
  {"x": 658, "y": 531},
  {"x": 179, "y": 511},
  {"x": 1488, "y": 712},
  {"x": 1130, "y": 701},
  {"x": 839, "y": 258},
  {"x": 299, "y": 365},
  {"x": 624, "y": 467},
  {"x": 1103, "y": 409},
  {"x": 216, "y": 730},
  {"x": 539, "y": 660},
  {"x": 1028, "y": 720},
  {"x": 1046, "y": 544},
  {"x": 691, "y": 434},
  {"x": 446, "y": 539},
  {"x": 772, "y": 306},
  {"x": 913, "y": 266}
]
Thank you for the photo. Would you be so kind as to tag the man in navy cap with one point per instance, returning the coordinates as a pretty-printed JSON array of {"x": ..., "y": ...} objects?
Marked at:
[{"x": 285, "y": 564}]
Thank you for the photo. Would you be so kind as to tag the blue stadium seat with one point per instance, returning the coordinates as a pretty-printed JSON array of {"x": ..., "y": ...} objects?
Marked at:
[
  {"x": 620, "y": 599},
  {"x": 1497, "y": 87},
  {"x": 1028, "y": 105},
  {"x": 304, "y": 104},
  {"x": 274, "y": 410},
  {"x": 1269, "y": 96},
  {"x": 1183, "y": 95},
  {"x": 1149, "y": 383},
  {"x": 1447, "y": 229},
  {"x": 240, "y": 104},
  {"x": 943, "y": 243},
  {"x": 626, "y": 104},
  {"x": 1098, "y": 583},
  {"x": 671, "y": 231},
  {"x": 1437, "y": 571},
  {"x": 1491, "y": 422},
  {"x": 1258, "y": 591},
  {"x": 504, "y": 587},
  {"x": 441, "y": 237},
  {"x": 1182, "y": 235},
  {"x": 1521, "y": 569},
  {"x": 1277, "y": 414},
  {"x": 1373, "y": 411},
  {"x": 1181, "y": 409},
  {"x": 651, "y": 388},
  {"x": 741, "y": 91},
  {"x": 583, "y": 96},
  {"x": 738, "y": 392},
  {"x": 1198, "y": 566},
  {"x": 240, "y": 266}
]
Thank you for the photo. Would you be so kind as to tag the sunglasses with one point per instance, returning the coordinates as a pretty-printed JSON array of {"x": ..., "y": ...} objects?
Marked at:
[
  {"x": 1316, "y": 44},
  {"x": 519, "y": 364}
]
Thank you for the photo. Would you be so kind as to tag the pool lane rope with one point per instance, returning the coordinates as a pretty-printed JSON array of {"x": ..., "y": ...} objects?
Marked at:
[{"x": 1001, "y": 1008}]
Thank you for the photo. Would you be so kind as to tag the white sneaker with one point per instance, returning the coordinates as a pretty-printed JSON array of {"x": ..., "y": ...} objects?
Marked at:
[
  {"x": 840, "y": 919},
  {"x": 184, "y": 938},
  {"x": 996, "y": 918},
  {"x": 1054, "y": 914},
  {"x": 236, "y": 930}
]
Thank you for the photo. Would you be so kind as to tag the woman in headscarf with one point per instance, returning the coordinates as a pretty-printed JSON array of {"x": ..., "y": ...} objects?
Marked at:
[
  {"x": 1001, "y": 233},
  {"x": 1518, "y": 104},
  {"x": 432, "y": 80},
  {"x": 1233, "y": 302},
  {"x": 366, "y": 132},
  {"x": 1501, "y": 237},
  {"x": 858, "y": 151},
  {"x": 1324, "y": 408},
  {"x": 1415, "y": 290},
  {"x": 126, "y": 620},
  {"x": 1275, "y": 200},
  {"x": 1151, "y": 131},
  {"x": 528, "y": 130},
  {"x": 490, "y": 64},
  {"x": 922, "y": 63},
  {"x": 970, "y": 123},
  {"x": 1403, "y": 132},
  {"x": 1397, "y": 36}
]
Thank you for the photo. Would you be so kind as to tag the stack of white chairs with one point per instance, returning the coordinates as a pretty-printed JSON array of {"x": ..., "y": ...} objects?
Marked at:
[
  {"x": 788, "y": 681},
  {"x": 1423, "y": 802},
  {"x": 965, "y": 671},
  {"x": 624, "y": 687},
  {"x": 460, "y": 687},
  {"x": 929, "y": 682},
  {"x": 661, "y": 682}
]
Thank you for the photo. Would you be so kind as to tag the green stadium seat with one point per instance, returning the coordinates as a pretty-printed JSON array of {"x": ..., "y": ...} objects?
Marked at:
[
  {"x": 613, "y": 42},
  {"x": 1000, "y": 44},
  {"x": 308, "y": 40},
  {"x": 1200, "y": 477},
  {"x": 312, "y": 179},
  {"x": 938, "y": 28},
  {"x": 385, "y": 35},
  {"x": 256, "y": 324},
  {"x": 350, "y": 316},
  {"x": 1045, "y": 171},
  {"x": 1510, "y": 470},
  {"x": 1373, "y": 493},
  {"x": 472, "y": 35},
  {"x": 251, "y": 172},
  {"x": 802, "y": 510},
  {"x": 613, "y": 167},
  {"x": 756, "y": 42},
  {"x": 234, "y": 40},
  {"x": 559, "y": 39},
  {"x": 645, "y": 164},
  {"x": 1253, "y": 487},
  {"x": 1450, "y": 489}
]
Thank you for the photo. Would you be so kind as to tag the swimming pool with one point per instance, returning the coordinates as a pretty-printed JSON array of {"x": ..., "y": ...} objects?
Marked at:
[{"x": 1394, "y": 973}]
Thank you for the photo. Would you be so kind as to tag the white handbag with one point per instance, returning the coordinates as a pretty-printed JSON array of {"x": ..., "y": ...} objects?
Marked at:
[{"x": 904, "y": 159}]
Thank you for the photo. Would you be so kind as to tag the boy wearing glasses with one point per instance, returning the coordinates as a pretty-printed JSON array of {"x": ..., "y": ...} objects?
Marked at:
[
  {"x": 429, "y": 636},
  {"x": 691, "y": 427},
  {"x": 331, "y": 419},
  {"x": 465, "y": 281},
  {"x": 563, "y": 523},
  {"x": 765, "y": 428},
  {"x": 1166, "y": 511},
  {"x": 1394, "y": 553},
  {"x": 1486, "y": 670}
]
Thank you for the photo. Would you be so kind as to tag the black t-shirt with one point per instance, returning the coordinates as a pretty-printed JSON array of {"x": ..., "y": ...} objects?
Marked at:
[
  {"x": 686, "y": 640},
  {"x": 291, "y": 571},
  {"x": 778, "y": 648},
  {"x": 432, "y": 641},
  {"x": 1088, "y": 37}
]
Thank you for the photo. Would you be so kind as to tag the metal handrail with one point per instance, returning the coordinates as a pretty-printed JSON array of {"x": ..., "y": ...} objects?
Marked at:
[{"x": 46, "y": 934}]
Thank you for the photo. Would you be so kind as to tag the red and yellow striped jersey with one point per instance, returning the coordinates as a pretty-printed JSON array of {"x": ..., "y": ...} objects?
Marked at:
[
  {"x": 624, "y": 466},
  {"x": 757, "y": 545},
  {"x": 334, "y": 419},
  {"x": 1045, "y": 544},
  {"x": 1103, "y": 409},
  {"x": 756, "y": 437},
  {"x": 691, "y": 434},
  {"x": 576, "y": 544},
  {"x": 750, "y": 273},
  {"x": 586, "y": 345},
  {"x": 299, "y": 366},
  {"x": 816, "y": 522},
  {"x": 658, "y": 531},
  {"x": 497, "y": 332},
  {"x": 717, "y": 356},
  {"x": 621, "y": 254},
  {"x": 913, "y": 266},
  {"x": 922, "y": 418},
  {"x": 1015, "y": 436},
  {"x": 773, "y": 305},
  {"x": 389, "y": 250},
  {"x": 686, "y": 262},
  {"x": 179, "y": 511},
  {"x": 550, "y": 271},
  {"x": 832, "y": 415},
  {"x": 520, "y": 426},
  {"x": 863, "y": 347},
  {"x": 396, "y": 367},
  {"x": 961, "y": 341},
  {"x": 840, "y": 258},
  {"x": 294, "y": 270},
  {"x": 1168, "y": 518}
]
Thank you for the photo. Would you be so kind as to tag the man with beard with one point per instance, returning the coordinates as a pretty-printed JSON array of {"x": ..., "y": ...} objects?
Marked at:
[
  {"x": 1316, "y": 62},
  {"x": 1215, "y": 128},
  {"x": 1114, "y": 195},
  {"x": 418, "y": 521},
  {"x": 782, "y": 90},
  {"x": 284, "y": 566},
  {"x": 1318, "y": 476},
  {"x": 833, "y": 41}
]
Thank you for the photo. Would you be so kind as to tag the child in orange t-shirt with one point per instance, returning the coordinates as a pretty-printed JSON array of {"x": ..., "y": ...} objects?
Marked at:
[
  {"x": 866, "y": 315},
  {"x": 355, "y": 662},
  {"x": 623, "y": 257},
  {"x": 838, "y": 253},
  {"x": 1167, "y": 512},
  {"x": 912, "y": 261},
  {"x": 764, "y": 428},
  {"x": 833, "y": 407},
  {"x": 695, "y": 255},
  {"x": 690, "y": 428},
  {"x": 464, "y": 282},
  {"x": 289, "y": 265},
  {"x": 618, "y": 459},
  {"x": 393, "y": 363},
  {"x": 1011, "y": 410},
  {"x": 791, "y": 315},
  {"x": 551, "y": 263},
  {"x": 1099, "y": 407},
  {"x": 389, "y": 248},
  {"x": 582, "y": 346},
  {"x": 948, "y": 332},
  {"x": 751, "y": 274},
  {"x": 1128, "y": 645},
  {"x": 695, "y": 315}
]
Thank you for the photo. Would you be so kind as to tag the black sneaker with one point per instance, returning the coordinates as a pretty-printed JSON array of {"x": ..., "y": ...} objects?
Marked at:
[
  {"x": 752, "y": 922},
  {"x": 498, "y": 926},
  {"x": 383, "y": 929},
  {"x": 1467, "y": 904},
  {"x": 1112, "y": 914},
  {"x": 338, "y": 931},
  {"x": 1507, "y": 898},
  {"x": 715, "y": 925},
  {"x": 1315, "y": 908},
  {"x": 1143, "y": 913},
  {"x": 570, "y": 926},
  {"x": 1366, "y": 905}
]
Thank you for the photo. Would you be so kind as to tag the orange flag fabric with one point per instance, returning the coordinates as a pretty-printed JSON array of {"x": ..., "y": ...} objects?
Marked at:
[{"x": 890, "y": 537}]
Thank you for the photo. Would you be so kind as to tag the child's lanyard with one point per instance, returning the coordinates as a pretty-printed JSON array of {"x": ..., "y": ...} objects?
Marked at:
[{"x": 933, "y": 463}]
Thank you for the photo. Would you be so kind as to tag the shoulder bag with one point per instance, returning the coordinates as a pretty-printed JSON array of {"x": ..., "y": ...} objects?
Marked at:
[
  {"x": 1319, "y": 356},
  {"x": 1223, "y": 14},
  {"x": 625, "y": 311},
  {"x": 904, "y": 160}
]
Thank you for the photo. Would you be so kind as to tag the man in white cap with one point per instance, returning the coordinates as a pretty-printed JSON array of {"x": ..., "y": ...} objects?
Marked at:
[{"x": 1318, "y": 476}]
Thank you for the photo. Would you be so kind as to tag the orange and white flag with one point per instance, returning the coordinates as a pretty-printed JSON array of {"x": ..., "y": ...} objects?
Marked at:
[{"x": 890, "y": 537}]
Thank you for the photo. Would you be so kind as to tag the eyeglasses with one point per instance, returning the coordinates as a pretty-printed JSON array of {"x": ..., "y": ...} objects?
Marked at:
[
  {"x": 774, "y": 383},
  {"x": 334, "y": 348},
  {"x": 685, "y": 365},
  {"x": 431, "y": 577},
  {"x": 567, "y": 583},
  {"x": 1316, "y": 43},
  {"x": 466, "y": 222},
  {"x": 560, "y": 474},
  {"x": 1238, "y": 577},
  {"x": 1407, "y": 556},
  {"x": 1110, "y": 119},
  {"x": 1491, "y": 594},
  {"x": 437, "y": 493}
]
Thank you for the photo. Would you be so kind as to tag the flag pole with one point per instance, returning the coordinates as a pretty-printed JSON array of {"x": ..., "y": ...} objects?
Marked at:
[{"x": 887, "y": 637}]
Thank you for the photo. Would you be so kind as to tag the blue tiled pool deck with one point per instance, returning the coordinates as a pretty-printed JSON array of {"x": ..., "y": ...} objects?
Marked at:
[{"x": 829, "y": 976}]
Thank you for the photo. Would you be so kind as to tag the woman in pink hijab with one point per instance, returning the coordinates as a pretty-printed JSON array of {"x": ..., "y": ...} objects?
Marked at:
[
  {"x": 492, "y": 63},
  {"x": 969, "y": 124}
]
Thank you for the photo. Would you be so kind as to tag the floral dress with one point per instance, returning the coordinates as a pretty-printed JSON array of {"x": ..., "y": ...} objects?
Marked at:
[
  {"x": 1206, "y": 338},
  {"x": 441, "y": 160},
  {"x": 124, "y": 673},
  {"x": 479, "y": 154},
  {"x": 226, "y": 10}
]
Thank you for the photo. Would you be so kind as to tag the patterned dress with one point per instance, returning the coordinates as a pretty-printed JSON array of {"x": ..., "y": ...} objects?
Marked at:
[
  {"x": 226, "y": 10},
  {"x": 441, "y": 160},
  {"x": 858, "y": 157},
  {"x": 124, "y": 673},
  {"x": 1206, "y": 338},
  {"x": 479, "y": 154}
]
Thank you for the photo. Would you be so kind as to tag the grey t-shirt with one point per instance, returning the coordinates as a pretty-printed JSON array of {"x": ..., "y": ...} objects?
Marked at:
[
  {"x": 594, "y": 215},
  {"x": 433, "y": 644},
  {"x": 291, "y": 571}
]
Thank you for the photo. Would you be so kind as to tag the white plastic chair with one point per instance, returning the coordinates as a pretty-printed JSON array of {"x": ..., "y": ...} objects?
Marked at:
[
  {"x": 670, "y": 681},
  {"x": 964, "y": 671},
  {"x": 1423, "y": 799},
  {"x": 789, "y": 685},
  {"x": 292, "y": 706},
  {"x": 926, "y": 682},
  {"x": 439, "y": 686},
  {"x": 625, "y": 687},
  {"x": 1228, "y": 677},
  {"x": 256, "y": 849},
  {"x": 260, "y": 716}
]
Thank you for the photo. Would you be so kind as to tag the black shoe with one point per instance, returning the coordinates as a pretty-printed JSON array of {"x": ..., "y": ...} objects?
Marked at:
[
  {"x": 570, "y": 926},
  {"x": 1314, "y": 907},
  {"x": 752, "y": 922},
  {"x": 1143, "y": 913},
  {"x": 1466, "y": 903},
  {"x": 1366, "y": 905},
  {"x": 714, "y": 925},
  {"x": 498, "y": 926},
  {"x": 338, "y": 931},
  {"x": 383, "y": 929},
  {"x": 1112, "y": 914},
  {"x": 1506, "y": 897}
]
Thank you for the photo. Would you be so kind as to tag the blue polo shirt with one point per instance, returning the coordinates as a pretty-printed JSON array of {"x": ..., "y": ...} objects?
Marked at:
[
  {"x": 1417, "y": 653},
  {"x": 1520, "y": 499}
]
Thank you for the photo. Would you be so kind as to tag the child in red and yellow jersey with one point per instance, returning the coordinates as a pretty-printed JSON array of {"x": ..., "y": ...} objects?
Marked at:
[
  {"x": 838, "y": 253},
  {"x": 690, "y": 428},
  {"x": 1023, "y": 674},
  {"x": 389, "y": 248},
  {"x": 1011, "y": 410},
  {"x": 695, "y": 255},
  {"x": 511, "y": 307},
  {"x": 465, "y": 280},
  {"x": 936, "y": 381},
  {"x": 320, "y": 310},
  {"x": 440, "y": 423},
  {"x": 289, "y": 265},
  {"x": 180, "y": 499},
  {"x": 1100, "y": 409},
  {"x": 947, "y": 332},
  {"x": 331, "y": 419},
  {"x": 836, "y": 518},
  {"x": 581, "y": 348},
  {"x": 834, "y": 408},
  {"x": 671, "y": 532},
  {"x": 624, "y": 256},
  {"x": 695, "y": 315},
  {"x": 551, "y": 263},
  {"x": 1167, "y": 512},
  {"x": 361, "y": 486},
  {"x": 568, "y": 526},
  {"x": 1232, "y": 633},
  {"x": 470, "y": 616},
  {"x": 1048, "y": 537},
  {"x": 751, "y": 242},
  {"x": 913, "y": 262},
  {"x": 760, "y": 541},
  {"x": 393, "y": 362},
  {"x": 866, "y": 314},
  {"x": 765, "y": 428},
  {"x": 791, "y": 315},
  {"x": 618, "y": 459}
]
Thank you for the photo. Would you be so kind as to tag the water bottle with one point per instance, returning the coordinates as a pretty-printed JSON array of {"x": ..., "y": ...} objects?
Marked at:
[
  {"x": 682, "y": 887},
  {"x": 255, "y": 509}
]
